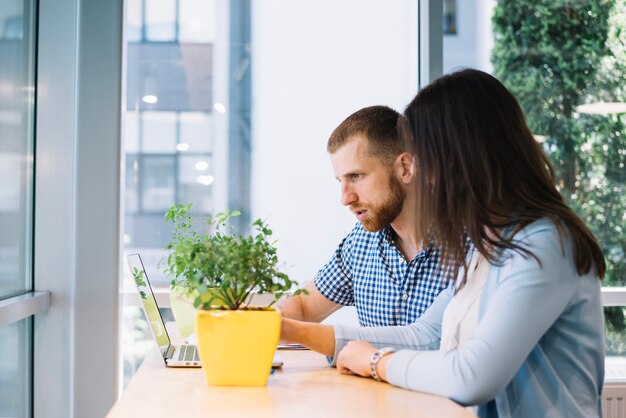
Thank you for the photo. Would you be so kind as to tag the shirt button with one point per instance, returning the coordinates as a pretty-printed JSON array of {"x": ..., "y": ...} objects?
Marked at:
[{"x": 405, "y": 296}]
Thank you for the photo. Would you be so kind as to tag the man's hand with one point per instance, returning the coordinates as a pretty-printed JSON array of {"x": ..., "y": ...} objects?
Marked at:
[
  {"x": 311, "y": 307},
  {"x": 355, "y": 358},
  {"x": 288, "y": 331},
  {"x": 317, "y": 337}
]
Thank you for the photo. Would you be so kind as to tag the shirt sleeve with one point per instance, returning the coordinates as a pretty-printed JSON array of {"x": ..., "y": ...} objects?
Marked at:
[
  {"x": 423, "y": 334},
  {"x": 334, "y": 280},
  {"x": 529, "y": 297}
]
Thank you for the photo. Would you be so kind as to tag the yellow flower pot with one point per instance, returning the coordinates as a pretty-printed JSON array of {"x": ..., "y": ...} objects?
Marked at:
[{"x": 237, "y": 347}]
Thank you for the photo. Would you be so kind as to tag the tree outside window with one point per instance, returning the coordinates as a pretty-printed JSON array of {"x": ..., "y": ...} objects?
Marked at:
[{"x": 566, "y": 64}]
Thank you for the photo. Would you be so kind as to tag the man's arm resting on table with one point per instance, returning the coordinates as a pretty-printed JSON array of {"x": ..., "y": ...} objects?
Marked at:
[
  {"x": 317, "y": 337},
  {"x": 311, "y": 307}
]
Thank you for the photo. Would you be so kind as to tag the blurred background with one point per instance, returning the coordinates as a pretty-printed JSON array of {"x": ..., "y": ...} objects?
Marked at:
[{"x": 229, "y": 104}]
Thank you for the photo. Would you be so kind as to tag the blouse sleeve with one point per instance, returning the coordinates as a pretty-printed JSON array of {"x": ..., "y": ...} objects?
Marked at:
[
  {"x": 529, "y": 296},
  {"x": 423, "y": 334}
]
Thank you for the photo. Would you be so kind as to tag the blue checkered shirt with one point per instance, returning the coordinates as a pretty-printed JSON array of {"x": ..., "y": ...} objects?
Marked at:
[{"x": 368, "y": 271}]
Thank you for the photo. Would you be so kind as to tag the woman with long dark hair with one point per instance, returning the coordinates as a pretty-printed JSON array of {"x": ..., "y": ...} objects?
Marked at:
[{"x": 520, "y": 332}]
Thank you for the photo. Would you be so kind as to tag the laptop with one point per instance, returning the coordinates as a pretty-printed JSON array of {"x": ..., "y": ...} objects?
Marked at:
[{"x": 174, "y": 355}]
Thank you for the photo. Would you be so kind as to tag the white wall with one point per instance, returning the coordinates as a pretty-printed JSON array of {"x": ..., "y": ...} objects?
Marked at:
[{"x": 314, "y": 64}]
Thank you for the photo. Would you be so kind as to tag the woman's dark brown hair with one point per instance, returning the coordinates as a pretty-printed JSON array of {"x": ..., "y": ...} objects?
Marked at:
[{"x": 481, "y": 171}]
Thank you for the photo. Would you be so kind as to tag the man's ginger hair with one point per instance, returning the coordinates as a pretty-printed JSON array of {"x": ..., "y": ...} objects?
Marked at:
[{"x": 378, "y": 125}]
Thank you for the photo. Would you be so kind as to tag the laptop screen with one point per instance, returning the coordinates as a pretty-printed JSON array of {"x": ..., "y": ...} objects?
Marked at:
[{"x": 150, "y": 306}]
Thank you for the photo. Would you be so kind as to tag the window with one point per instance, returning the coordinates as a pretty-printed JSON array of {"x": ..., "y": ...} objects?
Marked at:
[
  {"x": 263, "y": 88},
  {"x": 180, "y": 54},
  {"x": 16, "y": 369},
  {"x": 17, "y": 49},
  {"x": 170, "y": 130},
  {"x": 566, "y": 64},
  {"x": 449, "y": 17},
  {"x": 16, "y": 146}
]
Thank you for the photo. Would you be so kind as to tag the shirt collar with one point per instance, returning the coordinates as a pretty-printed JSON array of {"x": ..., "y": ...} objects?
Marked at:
[{"x": 387, "y": 237}]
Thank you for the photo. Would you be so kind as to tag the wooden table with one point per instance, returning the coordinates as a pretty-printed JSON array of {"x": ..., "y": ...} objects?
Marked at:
[{"x": 305, "y": 387}]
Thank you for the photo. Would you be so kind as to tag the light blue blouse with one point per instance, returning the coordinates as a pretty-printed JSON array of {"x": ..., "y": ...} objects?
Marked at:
[{"x": 538, "y": 347}]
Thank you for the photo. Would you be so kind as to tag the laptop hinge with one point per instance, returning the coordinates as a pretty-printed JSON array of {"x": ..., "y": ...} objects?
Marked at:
[{"x": 170, "y": 352}]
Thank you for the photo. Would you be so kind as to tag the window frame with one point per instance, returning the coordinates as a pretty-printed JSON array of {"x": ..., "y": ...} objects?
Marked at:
[{"x": 78, "y": 226}]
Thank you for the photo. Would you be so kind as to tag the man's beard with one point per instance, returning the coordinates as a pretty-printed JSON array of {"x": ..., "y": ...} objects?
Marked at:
[{"x": 380, "y": 216}]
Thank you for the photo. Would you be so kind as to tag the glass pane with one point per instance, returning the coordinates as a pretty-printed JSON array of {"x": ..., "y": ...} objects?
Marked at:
[
  {"x": 131, "y": 132},
  {"x": 196, "y": 131},
  {"x": 169, "y": 131},
  {"x": 449, "y": 17},
  {"x": 132, "y": 183},
  {"x": 615, "y": 332},
  {"x": 169, "y": 76},
  {"x": 15, "y": 369},
  {"x": 566, "y": 64},
  {"x": 197, "y": 21},
  {"x": 137, "y": 339},
  {"x": 195, "y": 179},
  {"x": 158, "y": 132},
  {"x": 160, "y": 20},
  {"x": 16, "y": 144},
  {"x": 157, "y": 183},
  {"x": 133, "y": 21}
]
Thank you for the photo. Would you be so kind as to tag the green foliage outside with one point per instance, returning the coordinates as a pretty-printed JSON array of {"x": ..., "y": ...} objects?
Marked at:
[
  {"x": 221, "y": 267},
  {"x": 555, "y": 55}
]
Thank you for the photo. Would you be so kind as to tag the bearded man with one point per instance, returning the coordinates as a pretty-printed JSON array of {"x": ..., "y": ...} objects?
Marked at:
[{"x": 382, "y": 267}]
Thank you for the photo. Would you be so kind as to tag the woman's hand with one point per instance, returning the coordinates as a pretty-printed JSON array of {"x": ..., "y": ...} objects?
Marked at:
[{"x": 355, "y": 358}]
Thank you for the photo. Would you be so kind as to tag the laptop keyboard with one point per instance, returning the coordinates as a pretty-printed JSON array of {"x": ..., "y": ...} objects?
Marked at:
[{"x": 188, "y": 353}]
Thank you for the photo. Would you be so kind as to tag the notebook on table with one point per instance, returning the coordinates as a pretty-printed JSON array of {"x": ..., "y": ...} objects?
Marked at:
[{"x": 174, "y": 355}]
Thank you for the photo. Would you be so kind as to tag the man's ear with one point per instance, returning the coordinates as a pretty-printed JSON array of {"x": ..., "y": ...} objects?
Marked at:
[{"x": 404, "y": 167}]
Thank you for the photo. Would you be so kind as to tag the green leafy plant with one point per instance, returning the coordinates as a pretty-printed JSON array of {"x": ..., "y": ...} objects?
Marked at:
[{"x": 220, "y": 267}]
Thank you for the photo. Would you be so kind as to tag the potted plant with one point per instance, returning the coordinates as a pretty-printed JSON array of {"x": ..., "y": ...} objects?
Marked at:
[
  {"x": 181, "y": 262},
  {"x": 185, "y": 263},
  {"x": 222, "y": 269}
]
